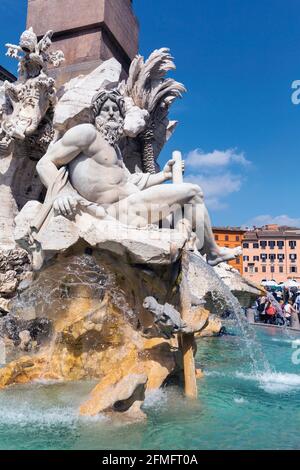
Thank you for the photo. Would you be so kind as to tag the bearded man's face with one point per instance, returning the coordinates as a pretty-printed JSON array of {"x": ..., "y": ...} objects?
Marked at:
[{"x": 110, "y": 122}]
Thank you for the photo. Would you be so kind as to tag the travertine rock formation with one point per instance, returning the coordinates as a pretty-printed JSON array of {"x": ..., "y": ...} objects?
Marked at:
[
  {"x": 245, "y": 290},
  {"x": 15, "y": 274},
  {"x": 99, "y": 330}
]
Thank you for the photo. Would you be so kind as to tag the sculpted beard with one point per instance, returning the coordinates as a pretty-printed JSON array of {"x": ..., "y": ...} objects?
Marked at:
[{"x": 111, "y": 131}]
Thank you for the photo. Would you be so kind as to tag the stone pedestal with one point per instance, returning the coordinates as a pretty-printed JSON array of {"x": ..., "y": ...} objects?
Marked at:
[{"x": 87, "y": 31}]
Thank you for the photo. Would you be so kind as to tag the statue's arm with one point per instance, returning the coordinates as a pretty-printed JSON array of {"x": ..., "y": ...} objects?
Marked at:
[
  {"x": 64, "y": 151},
  {"x": 146, "y": 180},
  {"x": 157, "y": 178},
  {"x": 165, "y": 175}
]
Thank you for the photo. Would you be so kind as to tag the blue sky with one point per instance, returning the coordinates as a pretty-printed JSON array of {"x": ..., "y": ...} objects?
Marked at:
[{"x": 237, "y": 126}]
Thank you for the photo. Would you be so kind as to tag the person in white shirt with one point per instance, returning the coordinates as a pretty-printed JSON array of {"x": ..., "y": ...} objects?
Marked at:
[{"x": 289, "y": 310}]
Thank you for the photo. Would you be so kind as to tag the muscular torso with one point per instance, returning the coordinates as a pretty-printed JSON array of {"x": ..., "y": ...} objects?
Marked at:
[{"x": 98, "y": 174}]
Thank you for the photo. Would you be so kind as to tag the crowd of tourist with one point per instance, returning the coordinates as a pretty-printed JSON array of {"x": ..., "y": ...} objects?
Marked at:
[{"x": 278, "y": 307}]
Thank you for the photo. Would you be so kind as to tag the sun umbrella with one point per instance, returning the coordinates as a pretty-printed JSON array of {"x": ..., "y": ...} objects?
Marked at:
[
  {"x": 270, "y": 284},
  {"x": 291, "y": 283}
]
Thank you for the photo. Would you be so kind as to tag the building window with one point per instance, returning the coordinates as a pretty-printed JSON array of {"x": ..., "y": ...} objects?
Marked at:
[
  {"x": 216, "y": 237},
  {"x": 256, "y": 270},
  {"x": 246, "y": 270},
  {"x": 272, "y": 258},
  {"x": 272, "y": 269},
  {"x": 280, "y": 258},
  {"x": 280, "y": 244},
  {"x": 246, "y": 258},
  {"x": 226, "y": 238},
  {"x": 292, "y": 244},
  {"x": 263, "y": 257},
  {"x": 281, "y": 269},
  {"x": 237, "y": 261},
  {"x": 271, "y": 244},
  {"x": 251, "y": 268},
  {"x": 237, "y": 238},
  {"x": 293, "y": 257},
  {"x": 255, "y": 258},
  {"x": 264, "y": 269},
  {"x": 293, "y": 269},
  {"x": 263, "y": 244},
  {"x": 255, "y": 245},
  {"x": 245, "y": 245}
]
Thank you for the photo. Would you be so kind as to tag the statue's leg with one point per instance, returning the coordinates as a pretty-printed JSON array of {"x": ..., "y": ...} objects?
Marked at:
[
  {"x": 215, "y": 254},
  {"x": 184, "y": 201},
  {"x": 206, "y": 240},
  {"x": 153, "y": 204}
]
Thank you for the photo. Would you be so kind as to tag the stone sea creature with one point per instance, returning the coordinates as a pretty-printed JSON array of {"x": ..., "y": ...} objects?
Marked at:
[{"x": 166, "y": 317}]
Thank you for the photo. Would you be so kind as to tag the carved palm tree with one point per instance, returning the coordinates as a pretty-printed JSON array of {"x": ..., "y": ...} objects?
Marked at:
[{"x": 149, "y": 89}]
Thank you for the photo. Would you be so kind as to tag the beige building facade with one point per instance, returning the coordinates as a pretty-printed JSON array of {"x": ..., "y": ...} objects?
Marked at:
[{"x": 271, "y": 252}]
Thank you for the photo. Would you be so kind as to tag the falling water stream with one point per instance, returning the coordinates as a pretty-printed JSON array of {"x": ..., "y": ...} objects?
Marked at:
[
  {"x": 223, "y": 299},
  {"x": 50, "y": 295}
]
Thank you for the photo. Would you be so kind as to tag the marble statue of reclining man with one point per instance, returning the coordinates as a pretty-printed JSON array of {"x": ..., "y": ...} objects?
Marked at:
[{"x": 98, "y": 178}]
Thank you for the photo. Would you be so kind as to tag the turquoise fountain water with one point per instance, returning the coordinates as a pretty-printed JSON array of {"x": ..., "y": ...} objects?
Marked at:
[{"x": 235, "y": 409}]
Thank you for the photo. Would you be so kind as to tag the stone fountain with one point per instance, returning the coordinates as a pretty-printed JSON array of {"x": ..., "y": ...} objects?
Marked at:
[{"x": 107, "y": 273}]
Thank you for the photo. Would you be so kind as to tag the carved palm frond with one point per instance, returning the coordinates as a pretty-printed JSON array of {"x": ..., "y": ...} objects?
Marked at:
[
  {"x": 134, "y": 72},
  {"x": 164, "y": 94},
  {"x": 149, "y": 89},
  {"x": 147, "y": 85}
]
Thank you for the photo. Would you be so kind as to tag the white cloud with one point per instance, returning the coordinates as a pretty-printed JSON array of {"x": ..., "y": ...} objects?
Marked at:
[
  {"x": 283, "y": 219},
  {"x": 216, "y": 187},
  {"x": 212, "y": 171},
  {"x": 218, "y": 158},
  {"x": 220, "y": 185}
]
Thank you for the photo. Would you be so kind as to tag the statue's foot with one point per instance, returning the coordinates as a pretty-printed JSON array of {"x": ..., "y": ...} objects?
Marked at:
[{"x": 223, "y": 255}]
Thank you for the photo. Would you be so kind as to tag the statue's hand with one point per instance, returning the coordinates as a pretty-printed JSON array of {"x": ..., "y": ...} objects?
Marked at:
[
  {"x": 168, "y": 169},
  {"x": 65, "y": 205}
]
